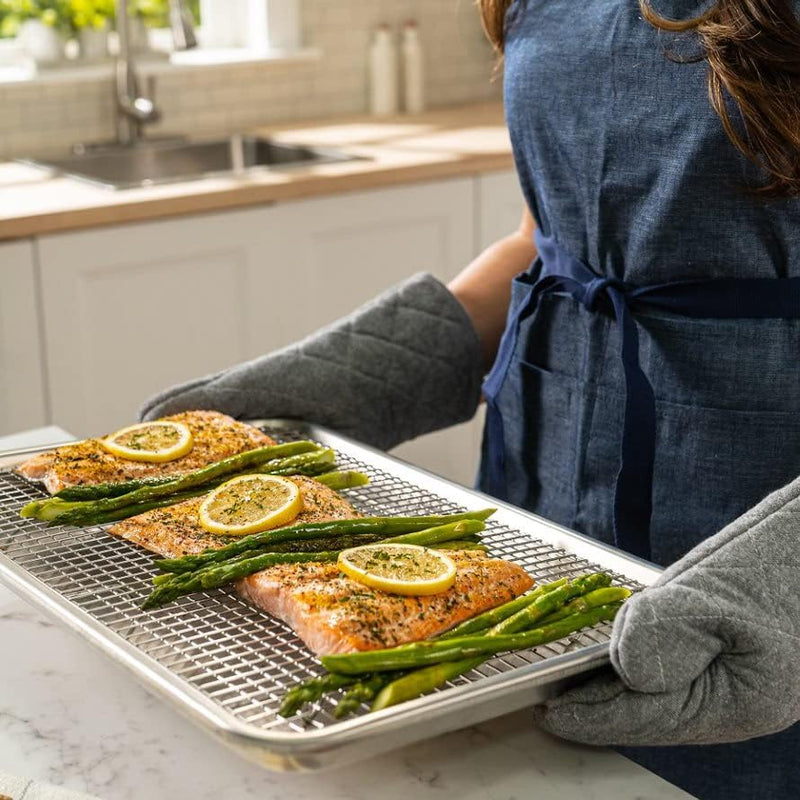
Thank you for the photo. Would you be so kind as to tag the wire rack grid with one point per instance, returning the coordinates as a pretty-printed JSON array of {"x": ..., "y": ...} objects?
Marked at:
[{"x": 238, "y": 657}]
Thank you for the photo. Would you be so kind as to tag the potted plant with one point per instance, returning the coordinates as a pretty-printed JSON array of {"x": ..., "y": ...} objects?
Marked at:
[
  {"x": 39, "y": 26},
  {"x": 88, "y": 21}
]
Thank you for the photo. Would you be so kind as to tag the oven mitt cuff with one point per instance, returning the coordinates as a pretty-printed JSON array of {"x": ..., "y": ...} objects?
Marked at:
[
  {"x": 709, "y": 653},
  {"x": 402, "y": 365}
]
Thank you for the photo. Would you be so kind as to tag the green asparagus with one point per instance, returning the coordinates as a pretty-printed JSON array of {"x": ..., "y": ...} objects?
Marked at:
[
  {"x": 386, "y": 526},
  {"x": 312, "y": 690},
  {"x": 421, "y": 681},
  {"x": 337, "y": 543},
  {"x": 88, "y": 511},
  {"x": 225, "y": 573},
  {"x": 362, "y": 691},
  {"x": 424, "y": 653},
  {"x": 345, "y": 479},
  {"x": 498, "y": 614},
  {"x": 598, "y": 597},
  {"x": 427, "y": 679},
  {"x": 98, "y": 491},
  {"x": 222, "y": 573},
  {"x": 551, "y": 601}
]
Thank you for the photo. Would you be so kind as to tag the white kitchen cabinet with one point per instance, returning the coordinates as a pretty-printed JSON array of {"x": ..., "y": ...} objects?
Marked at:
[
  {"x": 22, "y": 398},
  {"x": 131, "y": 309},
  {"x": 342, "y": 251},
  {"x": 500, "y": 205}
]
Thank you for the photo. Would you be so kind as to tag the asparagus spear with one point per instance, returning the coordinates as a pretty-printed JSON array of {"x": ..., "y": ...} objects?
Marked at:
[
  {"x": 346, "y": 479},
  {"x": 427, "y": 679},
  {"x": 99, "y": 490},
  {"x": 95, "y": 491},
  {"x": 383, "y": 525},
  {"x": 335, "y": 480},
  {"x": 551, "y": 601},
  {"x": 362, "y": 691},
  {"x": 337, "y": 543},
  {"x": 221, "y": 574},
  {"x": 312, "y": 690},
  {"x": 312, "y": 463},
  {"x": 598, "y": 597},
  {"x": 498, "y": 614},
  {"x": 225, "y": 573},
  {"x": 422, "y": 681},
  {"x": 467, "y": 647},
  {"x": 228, "y": 466}
]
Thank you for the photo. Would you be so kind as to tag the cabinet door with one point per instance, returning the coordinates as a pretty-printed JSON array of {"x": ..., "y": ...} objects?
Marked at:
[
  {"x": 132, "y": 309},
  {"x": 500, "y": 206},
  {"x": 341, "y": 251},
  {"x": 22, "y": 397},
  {"x": 344, "y": 250}
]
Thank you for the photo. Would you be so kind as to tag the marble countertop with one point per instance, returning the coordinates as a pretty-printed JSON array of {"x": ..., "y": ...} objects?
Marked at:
[{"x": 70, "y": 717}]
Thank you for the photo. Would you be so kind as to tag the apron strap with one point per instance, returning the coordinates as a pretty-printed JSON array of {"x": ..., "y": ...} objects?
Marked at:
[{"x": 721, "y": 298}]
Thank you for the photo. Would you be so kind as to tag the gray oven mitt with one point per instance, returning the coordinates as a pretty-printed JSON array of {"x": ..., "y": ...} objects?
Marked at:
[
  {"x": 711, "y": 653},
  {"x": 404, "y": 364}
]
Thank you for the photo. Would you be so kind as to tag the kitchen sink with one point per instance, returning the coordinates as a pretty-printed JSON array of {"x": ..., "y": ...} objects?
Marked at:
[{"x": 147, "y": 163}]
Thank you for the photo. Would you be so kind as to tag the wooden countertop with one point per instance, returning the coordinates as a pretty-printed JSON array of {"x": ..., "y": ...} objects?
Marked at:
[{"x": 445, "y": 143}]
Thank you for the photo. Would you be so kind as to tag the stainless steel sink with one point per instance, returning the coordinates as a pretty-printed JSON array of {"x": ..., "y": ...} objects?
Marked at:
[{"x": 152, "y": 162}]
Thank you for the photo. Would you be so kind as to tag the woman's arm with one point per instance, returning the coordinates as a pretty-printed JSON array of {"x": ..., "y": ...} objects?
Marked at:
[{"x": 484, "y": 287}]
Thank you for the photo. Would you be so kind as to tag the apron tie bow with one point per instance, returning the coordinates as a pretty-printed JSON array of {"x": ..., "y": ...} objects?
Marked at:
[
  {"x": 561, "y": 273},
  {"x": 596, "y": 288}
]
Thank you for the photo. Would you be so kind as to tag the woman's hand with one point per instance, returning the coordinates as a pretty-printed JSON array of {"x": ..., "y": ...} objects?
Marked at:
[{"x": 710, "y": 653}]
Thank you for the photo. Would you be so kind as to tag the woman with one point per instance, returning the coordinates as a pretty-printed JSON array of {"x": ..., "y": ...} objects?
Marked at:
[{"x": 646, "y": 389}]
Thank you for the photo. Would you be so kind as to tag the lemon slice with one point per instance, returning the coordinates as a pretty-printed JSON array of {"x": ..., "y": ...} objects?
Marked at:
[
  {"x": 249, "y": 504},
  {"x": 155, "y": 442},
  {"x": 399, "y": 568}
]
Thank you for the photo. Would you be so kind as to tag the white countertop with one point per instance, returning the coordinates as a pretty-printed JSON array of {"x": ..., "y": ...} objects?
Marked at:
[{"x": 70, "y": 717}]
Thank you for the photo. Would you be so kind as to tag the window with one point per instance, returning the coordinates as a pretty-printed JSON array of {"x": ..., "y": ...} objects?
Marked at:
[{"x": 55, "y": 33}]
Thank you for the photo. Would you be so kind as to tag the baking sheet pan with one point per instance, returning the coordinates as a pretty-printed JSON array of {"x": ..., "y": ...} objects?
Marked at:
[{"x": 227, "y": 665}]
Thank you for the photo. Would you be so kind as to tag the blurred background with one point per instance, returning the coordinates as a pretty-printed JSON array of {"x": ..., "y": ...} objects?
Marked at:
[{"x": 187, "y": 184}]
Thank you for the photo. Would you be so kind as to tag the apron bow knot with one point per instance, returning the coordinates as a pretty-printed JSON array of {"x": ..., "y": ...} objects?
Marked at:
[
  {"x": 596, "y": 288},
  {"x": 561, "y": 273}
]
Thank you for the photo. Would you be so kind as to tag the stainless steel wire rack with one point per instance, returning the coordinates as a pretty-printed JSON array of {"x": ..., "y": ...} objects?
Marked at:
[{"x": 227, "y": 665}]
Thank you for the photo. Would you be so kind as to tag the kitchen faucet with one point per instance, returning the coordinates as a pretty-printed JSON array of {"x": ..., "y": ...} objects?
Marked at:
[{"x": 134, "y": 109}]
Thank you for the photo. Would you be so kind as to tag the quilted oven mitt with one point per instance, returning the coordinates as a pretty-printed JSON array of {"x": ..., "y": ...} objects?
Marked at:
[
  {"x": 404, "y": 364},
  {"x": 711, "y": 653}
]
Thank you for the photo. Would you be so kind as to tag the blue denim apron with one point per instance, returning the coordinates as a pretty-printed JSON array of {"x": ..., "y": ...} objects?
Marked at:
[{"x": 646, "y": 391}]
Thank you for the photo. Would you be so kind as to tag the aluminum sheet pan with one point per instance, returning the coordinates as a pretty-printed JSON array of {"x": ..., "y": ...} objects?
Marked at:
[{"x": 226, "y": 665}]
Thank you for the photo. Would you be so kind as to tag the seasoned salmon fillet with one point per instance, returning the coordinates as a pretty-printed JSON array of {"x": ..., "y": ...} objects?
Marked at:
[
  {"x": 175, "y": 531},
  {"x": 216, "y": 436},
  {"x": 332, "y": 613}
]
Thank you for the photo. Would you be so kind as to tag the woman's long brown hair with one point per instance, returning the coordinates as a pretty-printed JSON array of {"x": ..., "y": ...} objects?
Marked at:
[{"x": 753, "y": 51}]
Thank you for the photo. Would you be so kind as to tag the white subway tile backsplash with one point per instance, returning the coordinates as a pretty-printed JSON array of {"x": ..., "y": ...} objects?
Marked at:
[{"x": 46, "y": 118}]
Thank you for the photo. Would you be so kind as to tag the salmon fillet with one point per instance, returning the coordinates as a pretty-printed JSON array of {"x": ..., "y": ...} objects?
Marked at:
[
  {"x": 332, "y": 613},
  {"x": 175, "y": 531},
  {"x": 216, "y": 436}
]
